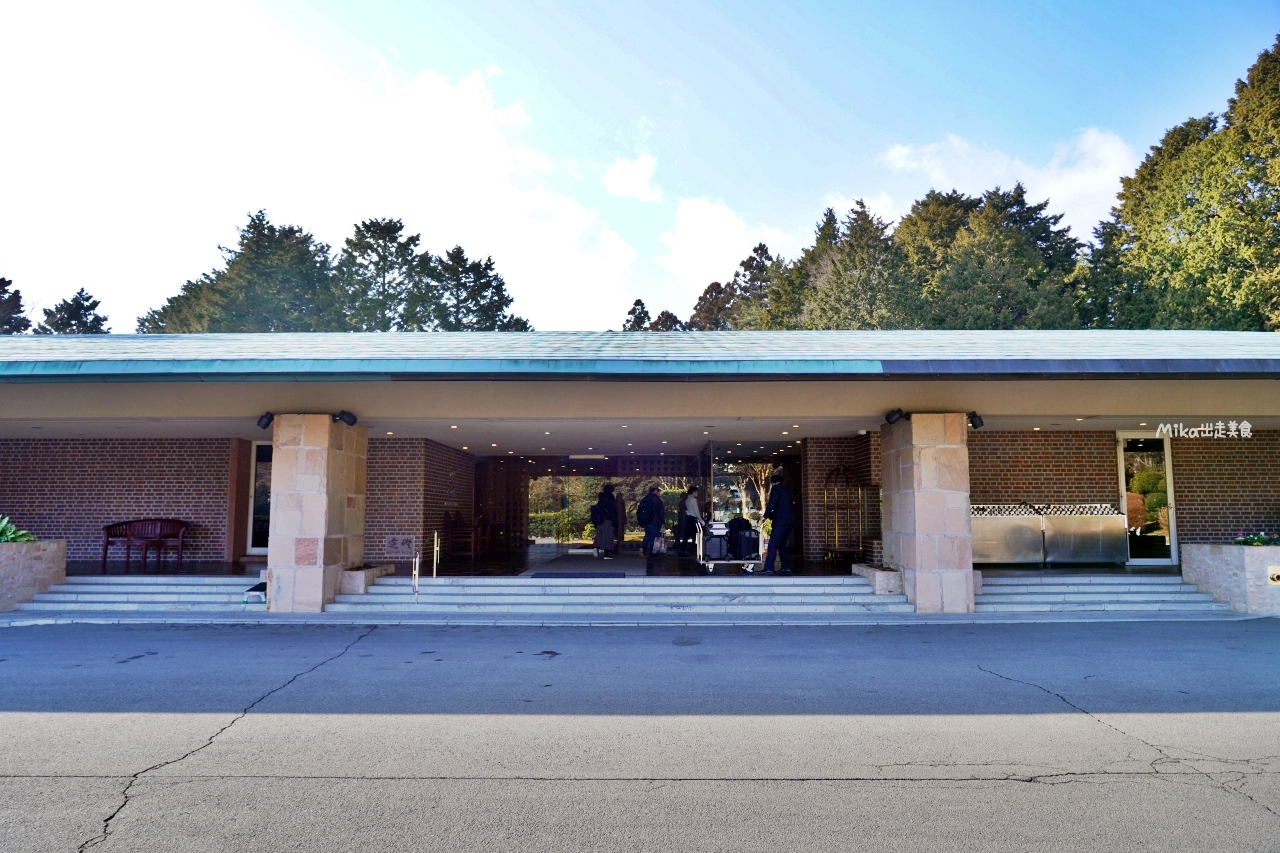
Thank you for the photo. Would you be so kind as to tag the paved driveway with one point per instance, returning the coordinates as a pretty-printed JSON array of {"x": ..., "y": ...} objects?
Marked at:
[{"x": 1129, "y": 736}]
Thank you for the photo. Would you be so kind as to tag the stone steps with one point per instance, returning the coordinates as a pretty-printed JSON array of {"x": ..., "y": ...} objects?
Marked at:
[
  {"x": 1098, "y": 593},
  {"x": 133, "y": 593},
  {"x": 646, "y": 596}
]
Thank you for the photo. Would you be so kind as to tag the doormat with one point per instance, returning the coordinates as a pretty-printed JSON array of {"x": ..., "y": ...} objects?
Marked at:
[{"x": 578, "y": 575}]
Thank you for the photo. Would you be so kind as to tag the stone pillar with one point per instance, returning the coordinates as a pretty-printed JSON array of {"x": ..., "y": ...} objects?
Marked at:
[
  {"x": 318, "y": 469},
  {"x": 925, "y": 464}
]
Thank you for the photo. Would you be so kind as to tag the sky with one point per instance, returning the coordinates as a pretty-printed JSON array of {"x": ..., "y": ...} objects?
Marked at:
[{"x": 599, "y": 152}]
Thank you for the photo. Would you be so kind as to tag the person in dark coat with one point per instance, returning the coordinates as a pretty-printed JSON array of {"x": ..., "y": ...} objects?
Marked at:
[
  {"x": 782, "y": 512},
  {"x": 652, "y": 516},
  {"x": 606, "y": 510}
]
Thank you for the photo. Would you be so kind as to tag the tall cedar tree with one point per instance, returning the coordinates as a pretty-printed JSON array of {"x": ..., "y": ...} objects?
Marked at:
[
  {"x": 472, "y": 297},
  {"x": 12, "y": 320},
  {"x": 637, "y": 318},
  {"x": 276, "y": 279},
  {"x": 75, "y": 316},
  {"x": 714, "y": 310},
  {"x": 384, "y": 282}
]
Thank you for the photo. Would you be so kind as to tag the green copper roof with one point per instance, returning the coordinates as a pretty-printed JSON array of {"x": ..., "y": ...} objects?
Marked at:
[{"x": 706, "y": 355}]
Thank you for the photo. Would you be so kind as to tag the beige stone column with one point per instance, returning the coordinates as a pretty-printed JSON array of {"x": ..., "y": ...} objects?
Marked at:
[
  {"x": 925, "y": 463},
  {"x": 318, "y": 469}
]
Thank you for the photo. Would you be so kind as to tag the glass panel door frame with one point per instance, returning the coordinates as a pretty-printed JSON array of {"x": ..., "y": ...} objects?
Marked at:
[
  {"x": 1172, "y": 559},
  {"x": 253, "y": 479}
]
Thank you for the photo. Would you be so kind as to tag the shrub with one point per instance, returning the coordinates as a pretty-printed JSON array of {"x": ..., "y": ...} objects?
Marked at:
[
  {"x": 1146, "y": 481},
  {"x": 9, "y": 532}
]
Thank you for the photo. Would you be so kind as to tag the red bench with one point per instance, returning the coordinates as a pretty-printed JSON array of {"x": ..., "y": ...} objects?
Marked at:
[{"x": 146, "y": 533}]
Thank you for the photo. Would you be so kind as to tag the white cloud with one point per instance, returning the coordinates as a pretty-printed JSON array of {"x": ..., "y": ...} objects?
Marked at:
[
  {"x": 1080, "y": 180},
  {"x": 632, "y": 179},
  {"x": 707, "y": 242},
  {"x": 139, "y": 137}
]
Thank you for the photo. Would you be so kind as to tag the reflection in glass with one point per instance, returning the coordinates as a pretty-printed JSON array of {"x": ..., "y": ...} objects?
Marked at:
[
  {"x": 261, "y": 527},
  {"x": 1147, "y": 499}
]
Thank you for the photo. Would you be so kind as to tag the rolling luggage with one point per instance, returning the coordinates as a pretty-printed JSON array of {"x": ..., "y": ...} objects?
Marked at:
[
  {"x": 748, "y": 545},
  {"x": 715, "y": 541}
]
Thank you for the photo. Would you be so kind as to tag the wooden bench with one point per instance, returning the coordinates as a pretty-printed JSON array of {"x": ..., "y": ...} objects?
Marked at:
[{"x": 145, "y": 533}]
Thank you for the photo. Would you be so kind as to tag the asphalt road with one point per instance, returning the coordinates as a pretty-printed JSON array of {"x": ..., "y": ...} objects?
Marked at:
[{"x": 1046, "y": 737}]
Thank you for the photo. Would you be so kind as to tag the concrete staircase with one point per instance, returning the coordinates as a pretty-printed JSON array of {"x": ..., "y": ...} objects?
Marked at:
[
  {"x": 1078, "y": 593},
  {"x": 624, "y": 597},
  {"x": 135, "y": 593}
]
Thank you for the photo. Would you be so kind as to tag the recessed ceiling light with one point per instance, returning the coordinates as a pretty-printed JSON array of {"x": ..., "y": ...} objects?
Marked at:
[
  {"x": 662, "y": 454},
  {"x": 1144, "y": 423},
  {"x": 795, "y": 426},
  {"x": 590, "y": 448},
  {"x": 632, "y": 452},
  {"x": 624, "y": 426},
  {"x": 493, "y": 445},
  {"x": 389, "y": 432},
  {"x": 629, "y": 444},
  {"x": 544, "y": 448},
  {"x": 464, "y": 447},
  {"x": 1037, "y": 429},
  {"x": 453, "y": 426},
  {"x": 509, "y": 452},
  {"x": 1079, "y": 419},
  {"x": 784, "y": 432},
  {"x": 664, "y": 442}
]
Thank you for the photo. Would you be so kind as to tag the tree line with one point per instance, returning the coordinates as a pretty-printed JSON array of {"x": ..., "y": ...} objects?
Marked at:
[
  {"x": 279, "y": 278},
  {"x": 1192, "y": 243}
]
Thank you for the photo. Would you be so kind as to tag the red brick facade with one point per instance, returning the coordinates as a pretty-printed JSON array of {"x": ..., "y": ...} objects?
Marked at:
[
  {"x": 818, "y": 457},
  {"x": 1043, "y": 467},
  {"x": 412, "y": 483},
  {"x": 1223, "y": 486},
  {"x": 70, "y": 488}
]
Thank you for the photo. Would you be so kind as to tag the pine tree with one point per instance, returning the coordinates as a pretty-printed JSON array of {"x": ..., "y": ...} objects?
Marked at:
[
  {"x": 75, "y": 316},
  {"x": 384, "y": 282},
  {"x": 472, "y": 297},
  {"x": 666, "y": 322},
  {"x": 715, "y": 310},
  {"x": 637, "y": 317},
  {"x": 12, "y": 320}
]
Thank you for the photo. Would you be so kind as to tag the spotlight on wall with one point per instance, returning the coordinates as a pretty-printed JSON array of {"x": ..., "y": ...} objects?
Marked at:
[
  {"x": 895, "y": 416},
  {"x": 346, "y": 417},
  {"x": 264, "y": 422},
  {"x": 975, "y": 420}
]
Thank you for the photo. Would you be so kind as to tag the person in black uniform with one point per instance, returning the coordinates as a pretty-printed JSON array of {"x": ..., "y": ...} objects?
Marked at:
[{"x": 782, "y": 512}]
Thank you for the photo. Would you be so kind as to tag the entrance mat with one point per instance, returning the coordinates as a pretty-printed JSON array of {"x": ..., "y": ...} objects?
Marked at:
[{"x": 578, "y": 575}]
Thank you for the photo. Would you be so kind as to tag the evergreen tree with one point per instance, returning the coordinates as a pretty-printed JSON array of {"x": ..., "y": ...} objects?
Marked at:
[
  {"x": 860, "y": 283},
  {"x": 277, "y": 279},
  {"x": 666, "y": 322},
  {"x": 472, "y": 297},
  {"x": 12, "y": 320},
  {"x": 75, "y": 316},
  {"x": 384, "y": 282},
  {"x": 715, "y": 310},
  {"x": 637, "y": 317}
]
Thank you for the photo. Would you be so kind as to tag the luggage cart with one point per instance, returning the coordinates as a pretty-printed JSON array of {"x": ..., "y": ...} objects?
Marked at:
[{"x": 717, "y": 529}]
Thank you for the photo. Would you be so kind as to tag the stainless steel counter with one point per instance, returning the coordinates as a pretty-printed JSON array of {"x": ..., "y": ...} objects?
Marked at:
[{"x": 1070, "y": 533}]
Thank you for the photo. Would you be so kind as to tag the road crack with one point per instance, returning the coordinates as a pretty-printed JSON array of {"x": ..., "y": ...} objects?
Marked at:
[
  {"x": 125, "y": 793},
  {"x": 1164, "y": 759}
]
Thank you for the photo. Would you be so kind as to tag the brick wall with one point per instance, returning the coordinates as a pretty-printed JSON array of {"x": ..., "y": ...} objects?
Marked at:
[
  {"x": 818, "y": 456},
  {"x": 412, "y": 483},
  {"x": 1043, "y": 467},
  {"x": 70, "y": 488},
  {"x": 1223, "y": 486}
]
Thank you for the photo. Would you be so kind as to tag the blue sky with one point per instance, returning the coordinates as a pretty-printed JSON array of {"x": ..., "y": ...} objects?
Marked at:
[{"x": 599, "y": 152}]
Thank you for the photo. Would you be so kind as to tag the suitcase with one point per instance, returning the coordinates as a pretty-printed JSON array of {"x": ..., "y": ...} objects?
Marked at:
[
  {"x": 715, "y": 547},
  {"x": 748, "y": 545}
]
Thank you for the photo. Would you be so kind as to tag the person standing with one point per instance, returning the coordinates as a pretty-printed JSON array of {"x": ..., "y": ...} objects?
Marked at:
[
  {"x": 692, "y": 515},
  {"x": 605, "y": 517},
  {"x": 782, "y": 512},
  {"x": 651, "y": 515}
]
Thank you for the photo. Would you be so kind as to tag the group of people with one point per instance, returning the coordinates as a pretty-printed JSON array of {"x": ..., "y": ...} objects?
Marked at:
[{"x": 609, "y": 517}]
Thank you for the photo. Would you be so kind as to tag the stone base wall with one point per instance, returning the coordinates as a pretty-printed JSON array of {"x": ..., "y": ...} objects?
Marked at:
[
  {"x": 30, "y": 567},
  {"x": 1239, "y": 575}
]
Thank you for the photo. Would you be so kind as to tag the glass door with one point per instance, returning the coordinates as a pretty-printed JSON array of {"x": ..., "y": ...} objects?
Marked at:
[
  {"x": 260, "y": 498},
  {"x": 1146, "y": 498}
]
